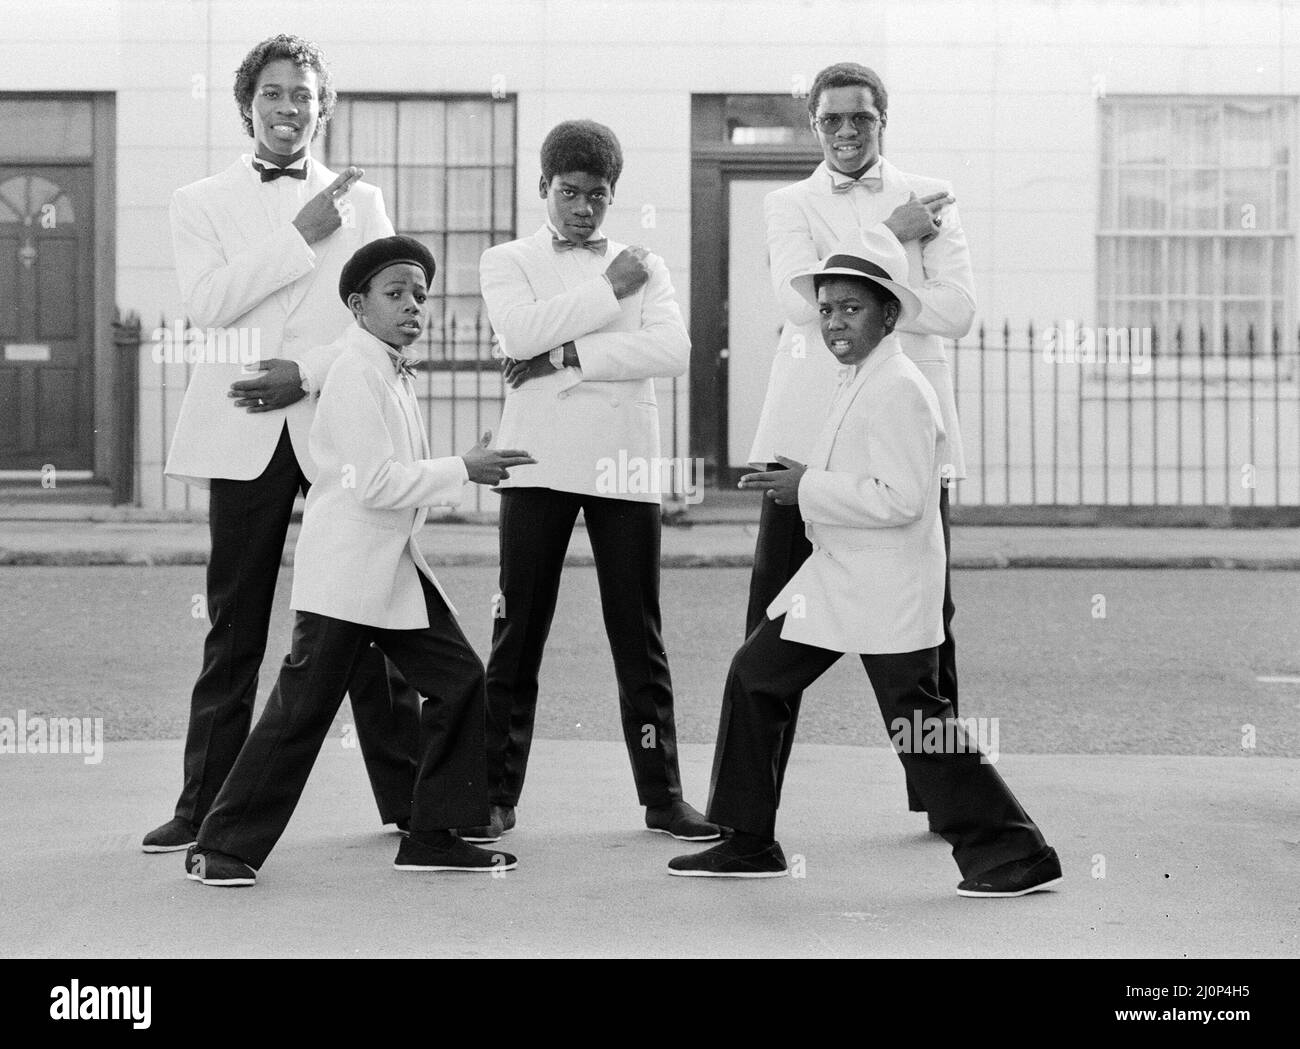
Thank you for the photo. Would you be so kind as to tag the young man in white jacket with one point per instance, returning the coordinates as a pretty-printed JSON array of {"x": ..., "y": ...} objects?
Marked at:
[
  {"x": 360, "y": 578},
  {"x": 855, "y": 191},
  {"x": 872, "y": 585},
  {"x": 258, "y": 249},
  {"x": 587, "y": 326}
]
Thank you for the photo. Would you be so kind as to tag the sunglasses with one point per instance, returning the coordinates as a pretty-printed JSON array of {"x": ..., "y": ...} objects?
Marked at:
[{"x": 829, "y": 123}]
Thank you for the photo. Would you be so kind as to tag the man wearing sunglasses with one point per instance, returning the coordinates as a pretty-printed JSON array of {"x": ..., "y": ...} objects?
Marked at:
[{"x": 855, "y": 190}]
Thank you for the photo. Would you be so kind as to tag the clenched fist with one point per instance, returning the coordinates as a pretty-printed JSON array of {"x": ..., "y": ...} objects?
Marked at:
[{"x": 628, "y": 271}]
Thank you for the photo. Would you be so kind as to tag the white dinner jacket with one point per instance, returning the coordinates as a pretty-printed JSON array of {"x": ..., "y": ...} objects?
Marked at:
[
  {"x": 870, "y": 502},
  {"x": 578, "y": 421},
  {"x": 357, "y": 557},
  {"x": 237, "y": 270},
  {"x": 806, "y": 221}
]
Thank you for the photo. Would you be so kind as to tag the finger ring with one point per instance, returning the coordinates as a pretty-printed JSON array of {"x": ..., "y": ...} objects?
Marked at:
[
  {"x": 938, "y": 221},
  {"x": 261, "y": 403}
]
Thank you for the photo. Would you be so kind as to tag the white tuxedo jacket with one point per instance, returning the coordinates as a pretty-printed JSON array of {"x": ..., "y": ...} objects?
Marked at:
[
  {"x": 357, "y": 558},
  {"x": 870, "y": 502},
  {"x": 239, "y": 270},
  {"x": 806, "y": 221},
  {"x": 577, "y": 422}
]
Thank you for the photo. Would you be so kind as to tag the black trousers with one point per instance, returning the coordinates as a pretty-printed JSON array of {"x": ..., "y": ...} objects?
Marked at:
[
  {"x": 968, "y": 802},
  {"x": 783, "y": 546},
  {"x": 248, "y": 521},
  {"x": 253, "y": 808},
  {"x": 536, "y": 524}
]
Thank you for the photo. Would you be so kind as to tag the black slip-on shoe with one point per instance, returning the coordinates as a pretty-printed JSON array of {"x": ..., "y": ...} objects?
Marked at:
[
  {"x": 217, "y": 868},
  {"x": 681, "y": 821},
  {"x": 502, "y": 819},
  {"x": 457, "y": 855},
  {"x": 173, "y": 836},
  {"x": 1017, "y": 878},
  {"x": 726, "y": 860}
]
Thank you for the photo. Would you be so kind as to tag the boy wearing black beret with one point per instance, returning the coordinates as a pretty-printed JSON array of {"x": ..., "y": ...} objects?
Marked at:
[{"x": 360, "y": 578}]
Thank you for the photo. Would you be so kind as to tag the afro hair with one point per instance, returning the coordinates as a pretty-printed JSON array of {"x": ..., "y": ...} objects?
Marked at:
[
  {"x": 582, "y": 145},
  {"x": 303, "y": 54}
]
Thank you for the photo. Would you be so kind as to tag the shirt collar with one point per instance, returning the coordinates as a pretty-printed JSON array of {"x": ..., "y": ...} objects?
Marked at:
[
  {"x": 837, "y": 177},
  {"x": 595, "y": 235},
  {"x": 374, "y": 347}
]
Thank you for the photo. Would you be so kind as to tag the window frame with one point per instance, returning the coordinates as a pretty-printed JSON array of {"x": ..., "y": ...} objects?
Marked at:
[
  {"x": 1111, "y": 238},
  {"x": 445, "y": 353}
]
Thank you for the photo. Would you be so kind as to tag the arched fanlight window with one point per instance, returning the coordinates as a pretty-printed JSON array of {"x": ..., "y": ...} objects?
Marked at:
[{"x": 31, "y": 200}]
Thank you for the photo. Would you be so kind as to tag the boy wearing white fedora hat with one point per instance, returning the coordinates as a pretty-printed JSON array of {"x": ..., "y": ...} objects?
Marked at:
[{"x": 873, "y": 586}]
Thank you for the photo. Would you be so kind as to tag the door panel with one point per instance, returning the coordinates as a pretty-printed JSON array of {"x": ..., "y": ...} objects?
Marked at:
[
  {"x": 753, "y": 318},
  {"x": 46, "y": 317}
]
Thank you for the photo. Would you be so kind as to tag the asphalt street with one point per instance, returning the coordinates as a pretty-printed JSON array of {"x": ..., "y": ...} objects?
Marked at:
[
  {"x": 1121, "y": 734},
  {"x": 1173, "y": 667}
]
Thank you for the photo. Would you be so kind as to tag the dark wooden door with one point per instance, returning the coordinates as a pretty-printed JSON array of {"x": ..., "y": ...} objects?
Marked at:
[{"x": 46, "y": 317}]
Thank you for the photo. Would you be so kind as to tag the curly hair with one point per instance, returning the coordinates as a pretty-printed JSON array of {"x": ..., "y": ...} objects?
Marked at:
[
  {"x": 848, "y": 74},
  {"x": 582, "y": 145},
  {"x": 302, "y": 53}
]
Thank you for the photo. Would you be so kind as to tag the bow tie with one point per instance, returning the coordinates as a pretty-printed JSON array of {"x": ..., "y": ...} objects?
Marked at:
[
  {"x": 403, "y": 365},
  {"x": 599, "y": 246},
  {"x": 871, "y": 183},
  {"x": 845, "y": 375},
  {"x": 270, "y": 173}
]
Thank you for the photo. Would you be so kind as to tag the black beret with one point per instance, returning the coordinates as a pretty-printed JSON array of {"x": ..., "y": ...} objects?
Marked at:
[{"x": 370, "y": 258}]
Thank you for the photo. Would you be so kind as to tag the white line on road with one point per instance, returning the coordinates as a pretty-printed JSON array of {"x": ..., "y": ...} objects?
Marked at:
[{"x": 1278, "y": 680}]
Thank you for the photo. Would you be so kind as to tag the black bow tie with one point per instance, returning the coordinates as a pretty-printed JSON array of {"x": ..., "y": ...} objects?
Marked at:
[
  {"x": 270, "y": 173},
  {"x": 402, "y": 365},
  {"x": 598, "y": 246}
]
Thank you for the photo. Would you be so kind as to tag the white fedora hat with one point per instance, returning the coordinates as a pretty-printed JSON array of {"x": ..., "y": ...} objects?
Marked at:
[{"x": 876, "y": 258}]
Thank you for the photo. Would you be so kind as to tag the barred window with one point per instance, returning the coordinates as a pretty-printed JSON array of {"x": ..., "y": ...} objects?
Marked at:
[
  {"x": 446, "y": 166},
  {"x": 1196, "y": 231}
]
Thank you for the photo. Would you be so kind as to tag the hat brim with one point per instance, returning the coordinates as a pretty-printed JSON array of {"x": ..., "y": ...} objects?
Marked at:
[{"x": 909, "y": 305}]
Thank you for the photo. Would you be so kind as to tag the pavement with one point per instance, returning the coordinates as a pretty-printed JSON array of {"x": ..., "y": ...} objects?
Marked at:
[
  {"x": 1163, "y": 877},
  {"x": 57, "y": 534},
  {"x": 1152, "y": 845}
]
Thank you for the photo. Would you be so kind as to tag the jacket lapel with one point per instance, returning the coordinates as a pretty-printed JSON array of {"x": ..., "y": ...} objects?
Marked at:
[
  {"x": 542, "y": 270},
  {"x": 245, "y": 211},
  {"x": 834, "y": 214}
]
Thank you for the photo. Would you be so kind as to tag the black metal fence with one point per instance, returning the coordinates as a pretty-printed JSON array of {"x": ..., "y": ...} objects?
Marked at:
[
  {"x": 1143, "y": 421},
  {"x": 1053, "y": 418},
  {"x": 459, "y": 385}
]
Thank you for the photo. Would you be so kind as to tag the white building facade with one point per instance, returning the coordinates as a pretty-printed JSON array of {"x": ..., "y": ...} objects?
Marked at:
[{"x": 1118, "y": 165}]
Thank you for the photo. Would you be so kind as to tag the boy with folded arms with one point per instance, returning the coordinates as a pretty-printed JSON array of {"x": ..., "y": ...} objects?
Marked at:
[{"x": 587, "y": 326}]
